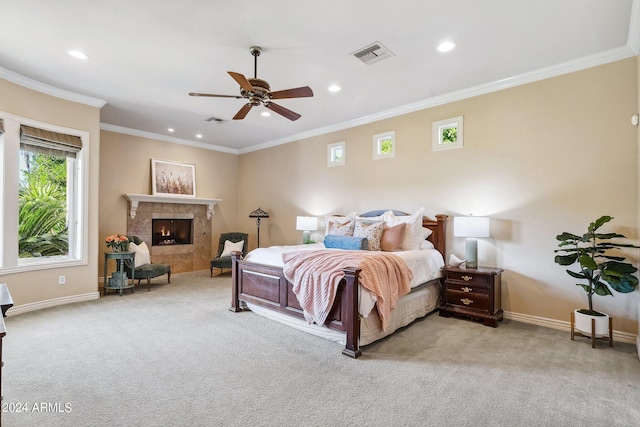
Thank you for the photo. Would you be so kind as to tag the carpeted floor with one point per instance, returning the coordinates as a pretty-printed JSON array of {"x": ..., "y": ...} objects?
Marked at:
[{"x": 176, "y": 356}]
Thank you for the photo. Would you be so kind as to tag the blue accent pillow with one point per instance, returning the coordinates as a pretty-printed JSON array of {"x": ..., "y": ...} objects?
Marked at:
[{"x": 334, "y": 241}]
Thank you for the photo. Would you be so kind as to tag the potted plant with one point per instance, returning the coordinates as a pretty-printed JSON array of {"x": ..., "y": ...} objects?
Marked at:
[{"x": 599, "y": 267}]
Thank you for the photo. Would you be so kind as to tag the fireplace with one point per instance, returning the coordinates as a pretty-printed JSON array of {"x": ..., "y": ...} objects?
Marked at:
[{"x": 171, "y": 231}]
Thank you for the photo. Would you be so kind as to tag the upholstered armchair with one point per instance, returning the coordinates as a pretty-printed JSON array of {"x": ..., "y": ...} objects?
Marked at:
[
  {"x": 223, "y": 257},
  {"x": 144, "y": 268}
]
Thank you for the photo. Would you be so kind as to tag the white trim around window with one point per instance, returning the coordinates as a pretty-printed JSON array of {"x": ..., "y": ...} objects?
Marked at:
[{"x": 78, "y": 211}]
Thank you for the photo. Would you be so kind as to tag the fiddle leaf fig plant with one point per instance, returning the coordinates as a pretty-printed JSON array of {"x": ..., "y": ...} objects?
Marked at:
[{"x": 597, "y": 265}]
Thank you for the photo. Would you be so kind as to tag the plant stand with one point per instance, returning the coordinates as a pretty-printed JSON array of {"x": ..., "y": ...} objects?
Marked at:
[{"x": 593, "y": 337}]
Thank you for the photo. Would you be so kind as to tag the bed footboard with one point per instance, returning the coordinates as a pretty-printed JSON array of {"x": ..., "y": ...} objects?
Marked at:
[{"x": 266, "y": 286}]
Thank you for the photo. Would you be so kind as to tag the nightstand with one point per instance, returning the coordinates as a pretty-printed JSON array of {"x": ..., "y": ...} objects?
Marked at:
[{"x": 473, "y": 293}]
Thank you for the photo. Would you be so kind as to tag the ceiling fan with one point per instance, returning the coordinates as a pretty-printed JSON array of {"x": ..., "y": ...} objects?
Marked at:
[{"x": 258, "y": 92}]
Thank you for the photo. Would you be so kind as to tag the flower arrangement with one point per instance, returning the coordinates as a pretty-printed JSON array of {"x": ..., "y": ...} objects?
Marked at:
[{"x": 117, "y": 242}]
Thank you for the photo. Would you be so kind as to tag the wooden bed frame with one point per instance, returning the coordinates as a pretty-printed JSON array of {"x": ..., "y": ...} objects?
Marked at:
[{"x": 266, "y": 286}]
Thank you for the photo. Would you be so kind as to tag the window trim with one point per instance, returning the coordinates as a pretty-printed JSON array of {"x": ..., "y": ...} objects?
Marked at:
[
  {"x": 377, "y": 145},
  {"x": 331, "y": 150},
  {"x": 78, "y": 234}
]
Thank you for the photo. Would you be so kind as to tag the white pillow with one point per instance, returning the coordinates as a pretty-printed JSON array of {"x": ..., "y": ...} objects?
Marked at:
[
  {"x": 413, "y": 233},
  {"x": 425, "y": 244},
  {"x": 230, "y": 246},
  {"x": 142, "y": 253},
  {"x": 337, "y": 219}
]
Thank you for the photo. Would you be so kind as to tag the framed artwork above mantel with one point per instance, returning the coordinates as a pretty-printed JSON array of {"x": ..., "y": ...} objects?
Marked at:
[{"x": 173, "y": 179}]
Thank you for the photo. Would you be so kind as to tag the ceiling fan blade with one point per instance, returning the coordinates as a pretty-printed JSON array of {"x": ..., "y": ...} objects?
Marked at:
[
  {"x": 242, "y": 81},
  {"x": 214, "y": 96},
  {"x": 243, "y": 112},
  {"x": 299, "y": 92},
  {"x": 282, "y": 111}
]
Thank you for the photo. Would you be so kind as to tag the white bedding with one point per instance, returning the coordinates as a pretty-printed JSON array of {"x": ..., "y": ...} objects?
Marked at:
[{"x": 425, "y": 264}]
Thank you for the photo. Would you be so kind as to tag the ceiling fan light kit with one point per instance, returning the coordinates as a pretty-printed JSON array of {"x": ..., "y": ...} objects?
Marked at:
[{"x": 257, "y": 92}]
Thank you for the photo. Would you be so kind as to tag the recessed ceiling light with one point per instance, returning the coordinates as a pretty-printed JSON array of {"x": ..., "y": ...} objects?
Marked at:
[
  {"x": 265, "y": 114},
  {"x": 334, "y": 88},
  {"x": 77, "y": 54},
  {"x": 171, "y": 129},
  {"x": 446, "y": 46},
  {"x": 199, "y": 135}
]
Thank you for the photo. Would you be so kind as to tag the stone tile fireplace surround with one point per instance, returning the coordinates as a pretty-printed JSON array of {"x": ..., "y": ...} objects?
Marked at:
[{"x": 183, "y": 258}]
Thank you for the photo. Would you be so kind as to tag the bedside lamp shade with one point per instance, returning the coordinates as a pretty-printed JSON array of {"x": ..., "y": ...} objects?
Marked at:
[
  {"x": 471, "y": 227},
  {"x": 307, "y": 224}
]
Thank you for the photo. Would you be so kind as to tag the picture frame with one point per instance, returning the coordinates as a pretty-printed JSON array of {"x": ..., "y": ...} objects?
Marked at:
[
  {"x": 172, "y": 179},
  {"x": 447, "y": 134}
]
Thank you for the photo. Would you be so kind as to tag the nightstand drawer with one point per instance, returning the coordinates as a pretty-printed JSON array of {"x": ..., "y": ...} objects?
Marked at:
[
  {"x": 467, "y": 277},
  {"x": 474, "y": 301},
  {"x": 467, "y": 288}
]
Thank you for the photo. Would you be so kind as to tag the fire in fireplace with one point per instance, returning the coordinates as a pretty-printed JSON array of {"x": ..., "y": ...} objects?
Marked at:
[{"x": 172, "y": 231}]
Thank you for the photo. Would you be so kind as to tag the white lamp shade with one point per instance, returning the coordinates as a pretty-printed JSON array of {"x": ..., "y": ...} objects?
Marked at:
[
  {"x": 307, "y": 223},
  {"x": 471, "y": 226}
]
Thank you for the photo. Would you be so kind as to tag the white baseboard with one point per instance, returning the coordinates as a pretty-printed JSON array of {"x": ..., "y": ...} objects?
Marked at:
[
  {"x": 24, "y": 308},
  {"x": 566, "y": 326}
]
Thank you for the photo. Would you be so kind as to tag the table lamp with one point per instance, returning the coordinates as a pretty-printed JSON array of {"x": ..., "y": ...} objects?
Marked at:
[
  {"x": 306, "y": 224},
  {"x": 471, "y": 227},
  {"x": 258, "y": 214}
]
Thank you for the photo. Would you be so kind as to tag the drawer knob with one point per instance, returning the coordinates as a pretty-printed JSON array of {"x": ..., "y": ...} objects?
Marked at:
[
  {"x": 466, "y": 301},
  {"x": 467, "y": 289},
  {"x": 466, "y": 278}
]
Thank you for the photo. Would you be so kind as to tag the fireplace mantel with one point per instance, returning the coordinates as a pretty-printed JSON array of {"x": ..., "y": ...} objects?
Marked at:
[{"x": 135, "y": 199}]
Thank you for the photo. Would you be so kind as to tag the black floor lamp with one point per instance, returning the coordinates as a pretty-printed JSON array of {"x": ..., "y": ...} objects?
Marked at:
[{"x": 258, "y": 214}]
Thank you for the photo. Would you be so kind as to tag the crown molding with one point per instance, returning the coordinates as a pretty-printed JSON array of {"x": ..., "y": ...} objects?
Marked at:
[
  {"x": 50, "y": 90},
  {"x": 160, "y": 137}
]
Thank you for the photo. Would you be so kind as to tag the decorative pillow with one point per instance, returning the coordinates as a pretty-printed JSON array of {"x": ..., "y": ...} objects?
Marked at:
[
  {"x": 341, "y": 228},
  {"x": 142, "y": 253},
  {"x": 230, "y": 246},
  {"x": 372, "y": 231},
  {"x": 333, "y": 241},
  {"x": 391, "y": 239},
  {"x": 340, "y": 219},
  {"x": 413, "y": 231}
]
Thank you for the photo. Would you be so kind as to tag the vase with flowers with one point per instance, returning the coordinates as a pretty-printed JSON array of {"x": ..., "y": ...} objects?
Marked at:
[{"x": 117, "y": 242}]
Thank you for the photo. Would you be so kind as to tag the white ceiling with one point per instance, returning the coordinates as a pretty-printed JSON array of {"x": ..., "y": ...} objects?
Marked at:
[{"x": 145, "y": 56}]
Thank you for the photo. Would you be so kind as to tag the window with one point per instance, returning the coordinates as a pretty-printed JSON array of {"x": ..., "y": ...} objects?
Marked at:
[
  {"x": 447, "y": 134},
  {"x": 44, "y": 214},
  {"x": 384, "y": 145},
  {"x": 336, "y": 154}
]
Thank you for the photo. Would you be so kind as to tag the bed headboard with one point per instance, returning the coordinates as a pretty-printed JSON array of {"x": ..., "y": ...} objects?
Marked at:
[
  {"x": 438, "y": 227},
  {"x": 439, "y": 235}
]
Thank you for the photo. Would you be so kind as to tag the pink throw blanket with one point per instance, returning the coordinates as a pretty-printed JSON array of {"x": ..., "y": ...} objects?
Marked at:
[{"x": 315, "y": 276}]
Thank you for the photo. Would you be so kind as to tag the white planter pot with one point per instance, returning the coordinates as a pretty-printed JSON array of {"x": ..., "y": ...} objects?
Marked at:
[{"x": 583, "y": 324}]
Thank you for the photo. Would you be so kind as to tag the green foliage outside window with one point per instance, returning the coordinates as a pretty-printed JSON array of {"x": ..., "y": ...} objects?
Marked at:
[
  {"x": 42, "y": 215},
  {"x": 386, "y": 145},
  {"x": 449, "y": 135}
]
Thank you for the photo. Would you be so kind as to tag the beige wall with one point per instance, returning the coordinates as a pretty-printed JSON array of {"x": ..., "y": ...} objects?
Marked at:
[
  {"x": 42, "y": 285},
  {"x": 539, "y": 159},
  {"x": 125, "y": 167}
]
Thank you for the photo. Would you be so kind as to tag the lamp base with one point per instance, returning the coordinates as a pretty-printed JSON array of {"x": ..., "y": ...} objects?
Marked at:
[
  {"x": 471, "y": 252},
  {"x": 306, "y": 236}
]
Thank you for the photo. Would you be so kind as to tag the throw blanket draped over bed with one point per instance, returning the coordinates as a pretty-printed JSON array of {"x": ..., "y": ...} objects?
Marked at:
[{"x": 315, "y": 276}]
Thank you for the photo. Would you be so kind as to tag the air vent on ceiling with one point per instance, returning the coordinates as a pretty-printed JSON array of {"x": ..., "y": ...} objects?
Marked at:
[
  {"x": 372, "y": 53},
  {"x": 215, "y": 119}
]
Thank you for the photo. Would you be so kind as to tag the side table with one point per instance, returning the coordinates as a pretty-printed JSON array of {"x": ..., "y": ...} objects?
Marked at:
[
  {"x": 123, "y": 280},
  {"x": 474, "y": 293}
]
